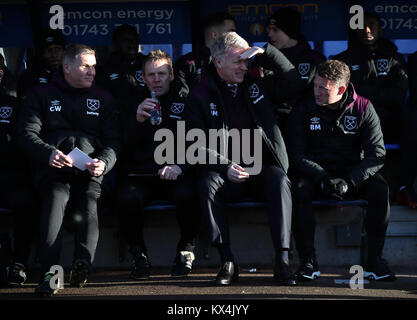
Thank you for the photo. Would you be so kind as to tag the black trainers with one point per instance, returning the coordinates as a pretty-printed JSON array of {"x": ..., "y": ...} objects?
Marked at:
[
  {"x": 308, "y": 270},
  {"x": 44, "y": 288},
  {"x": 140, "y": 268},
  {"x": 284, "y": 275},
  {"x": 183, "y": 264},
  {"x": 17, "y": 275},
  {"x": 80, "y": 270},
  {"x": 378, "y": 270}
]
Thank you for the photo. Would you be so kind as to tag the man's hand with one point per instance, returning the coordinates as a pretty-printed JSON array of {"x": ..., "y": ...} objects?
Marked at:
[
  {"x": 142, "y": 113},
  {"x": 251, "y": 52},
  {"x": 335, "y": 187},
  {"x": 237, "y": 174},
  {"x": 169, "y": 172},
  {"x": 59, "y": 160},
  {"x": 96, "y": 168}
]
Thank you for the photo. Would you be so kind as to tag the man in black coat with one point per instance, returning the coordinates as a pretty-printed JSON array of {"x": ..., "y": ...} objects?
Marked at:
[
  {"x": 379, "y": 73},
  {"x": 407, "y": 195},
  {"x": 155, "y": 178},
  {"x": 336, "y": 151},
  {"x": 229, "y": 100},
  {"x": 122, "y": 72},
  {"x": 16, "y": 191},
  {"x": 67, "y": 113},
  {"x": 48, "y": 58},
  {"x": 283, "y": 29}
]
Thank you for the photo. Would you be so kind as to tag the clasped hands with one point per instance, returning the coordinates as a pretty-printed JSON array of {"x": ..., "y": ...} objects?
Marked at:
[{"x": 335, "y": 187}]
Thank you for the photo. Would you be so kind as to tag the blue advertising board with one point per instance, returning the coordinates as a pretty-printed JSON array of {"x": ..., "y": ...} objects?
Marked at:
[
  {"x": 321, "y": 19},
  {"x": 15, "y": 27},
  {"x": 93, "y": 23},
  {"x": 398, "y": 18}
]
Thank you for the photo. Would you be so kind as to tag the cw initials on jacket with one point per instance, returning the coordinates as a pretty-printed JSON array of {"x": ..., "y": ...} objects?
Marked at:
[{"x": 91, "y": 104}]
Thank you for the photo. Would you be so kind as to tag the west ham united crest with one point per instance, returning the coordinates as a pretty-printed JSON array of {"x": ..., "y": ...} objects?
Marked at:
[
  {"x": 93, "y": 104},
  {"x": 304, "y": 68},
  {"x": 253, "y": 91},
  {"x": 177, "y": 108},
  {"x": 350, "y": 122},
  {"x": 5, "y": 112}
]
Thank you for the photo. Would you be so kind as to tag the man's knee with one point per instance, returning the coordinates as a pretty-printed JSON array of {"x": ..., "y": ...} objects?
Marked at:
[
  {"x": 377, "y": 188},
  {"x": 209, "y": 183},
  {"x": 302, "y": 190},
  {"x": 129, "y": 197}
]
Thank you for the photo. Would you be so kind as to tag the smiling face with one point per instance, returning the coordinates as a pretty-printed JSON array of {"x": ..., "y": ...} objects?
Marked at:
[
  {"x": 230, "y": 67},
  {"x": 158, "y": 75}
]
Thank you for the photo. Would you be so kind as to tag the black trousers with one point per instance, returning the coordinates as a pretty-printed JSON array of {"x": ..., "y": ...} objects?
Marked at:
[
  {"x": 137, "y": 192},
  {"x": 19, "y": 196},
  {"x": 375, "y": 190},
  {"x": 56, "y": 194},
  {"x": 271, "y": 185}
]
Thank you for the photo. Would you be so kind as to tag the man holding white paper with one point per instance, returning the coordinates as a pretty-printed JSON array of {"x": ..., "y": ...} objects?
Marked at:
[{"x": 70, "y": 116}]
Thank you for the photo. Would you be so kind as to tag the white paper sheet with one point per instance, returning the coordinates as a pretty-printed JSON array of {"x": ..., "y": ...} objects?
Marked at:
[{"x": 79, "y": 158}]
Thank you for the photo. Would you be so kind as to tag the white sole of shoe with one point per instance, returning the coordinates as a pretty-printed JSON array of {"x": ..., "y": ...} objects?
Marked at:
[{"x": 313, "y": 276}]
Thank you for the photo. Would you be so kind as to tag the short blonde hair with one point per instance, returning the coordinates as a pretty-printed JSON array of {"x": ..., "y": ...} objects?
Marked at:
[{"x": 156, "y": 55}]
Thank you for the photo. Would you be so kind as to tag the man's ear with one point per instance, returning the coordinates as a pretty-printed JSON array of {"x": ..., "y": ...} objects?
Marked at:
[
  {"x": 342, "y": 90},
  {"x": 217, "y": 62},
  {"x": 171, "y": 75},
  {"x": 66, "y": 68}
]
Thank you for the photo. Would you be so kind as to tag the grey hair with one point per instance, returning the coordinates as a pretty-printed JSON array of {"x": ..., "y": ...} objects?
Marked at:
[
  {"x": 226, "y": 41},
  {"x": 73, "y": 51}
]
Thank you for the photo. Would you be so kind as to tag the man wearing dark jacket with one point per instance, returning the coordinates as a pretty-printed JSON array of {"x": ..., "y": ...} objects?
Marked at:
[
  {"x": 283, "y": 29},
  {"x": 378, "y": 73},
  {"x": 407, "y": 195},
  {"x": 16, "y": 190},
  {"x": 336, "y": 151},
  {"x": 231, "y": 99},
  {"x": 68, "y": 113},
  {"x": 47, "y": 60},
  {"x": 122, "y": 72},
  {"x": 156, "y": 179}
]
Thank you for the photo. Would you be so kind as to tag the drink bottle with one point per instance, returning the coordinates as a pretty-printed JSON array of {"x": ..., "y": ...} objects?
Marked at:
[{"x": 156, "y": 116}]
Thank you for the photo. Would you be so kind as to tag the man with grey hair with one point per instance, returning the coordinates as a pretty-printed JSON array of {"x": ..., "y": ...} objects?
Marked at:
[
  {"x": 336, "y": 150},
  {"x": 229, "y": 97},
  {"x": 68, "y": 113}
]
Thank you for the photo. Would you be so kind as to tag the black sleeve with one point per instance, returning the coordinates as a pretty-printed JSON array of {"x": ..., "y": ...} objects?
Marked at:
[
  {"x": 30, "y": 125},
  {"x": 284, "y": 82},
  {"x": 110, "y": 136},
  {"x": 195, "y": 123},
  {"x": 301, "y": 162},
  {"x": 373, "y": 148}
]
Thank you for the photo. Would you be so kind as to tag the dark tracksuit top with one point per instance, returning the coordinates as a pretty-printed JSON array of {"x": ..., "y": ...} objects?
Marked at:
[
  {"x": 34, "y": 76},
  {"x": 381, "y": 77},
  {"x": 57, "y": 116},
  {"x": 138, "y": 138},
  {"x": 10, "y": 159},
  {"x": 119, "y": 76},
  {"x": 206, "y": 108},
  {"x": 190, "y": 67},
  {"x": 348, "y": 141}
]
